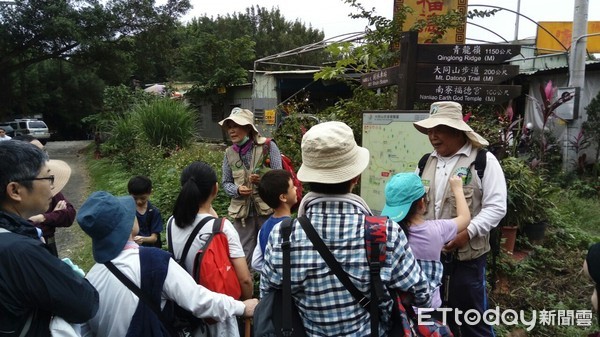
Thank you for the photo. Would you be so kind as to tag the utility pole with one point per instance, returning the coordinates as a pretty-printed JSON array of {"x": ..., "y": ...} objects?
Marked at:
[
  {"x": 577, "y": 55},
  {"x": 517, "y": 21}
]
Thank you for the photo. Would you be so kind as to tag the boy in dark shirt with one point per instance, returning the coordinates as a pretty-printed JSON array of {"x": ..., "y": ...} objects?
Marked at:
[{"x": 148, "y": 216}]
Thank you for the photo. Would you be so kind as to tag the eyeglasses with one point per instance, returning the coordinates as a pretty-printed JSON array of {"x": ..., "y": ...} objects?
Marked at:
[{"x": 50, "y": 178}]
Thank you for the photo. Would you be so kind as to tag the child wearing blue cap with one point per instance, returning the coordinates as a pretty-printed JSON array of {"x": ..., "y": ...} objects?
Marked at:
[{"x": 406, "y": 204}]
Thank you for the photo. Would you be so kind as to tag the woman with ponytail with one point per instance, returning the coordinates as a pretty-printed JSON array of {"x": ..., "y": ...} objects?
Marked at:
[{"x": 199, "y": 188}]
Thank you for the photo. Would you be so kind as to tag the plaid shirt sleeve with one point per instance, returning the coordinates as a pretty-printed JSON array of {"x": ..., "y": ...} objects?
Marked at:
[
  {"x": 406, "y": 274},
  {"x": 270, "y": 277},
  {"x": 434, "y": 271}
]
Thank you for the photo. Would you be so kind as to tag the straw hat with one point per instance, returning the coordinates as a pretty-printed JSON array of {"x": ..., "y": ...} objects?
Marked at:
[
  {"x": 330, "y": 154},
  {"x": 108, "y": 220},
  {"x": 243, "y": 117},
  {"x": 61, "y": 172},
  {"x": 449, "y": 114}
]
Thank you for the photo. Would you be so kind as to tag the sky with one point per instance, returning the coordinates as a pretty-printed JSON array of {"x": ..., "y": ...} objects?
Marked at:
[{"x": 331, "y": 16}]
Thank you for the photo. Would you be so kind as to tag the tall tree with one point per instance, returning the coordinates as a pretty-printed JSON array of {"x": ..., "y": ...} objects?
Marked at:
[
  {"x": 32, "y": 31},
  {"x": 269, "y": 30}
]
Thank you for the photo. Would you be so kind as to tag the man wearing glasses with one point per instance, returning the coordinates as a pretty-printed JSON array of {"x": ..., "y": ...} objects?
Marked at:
[{"x": 35, "y": 285}]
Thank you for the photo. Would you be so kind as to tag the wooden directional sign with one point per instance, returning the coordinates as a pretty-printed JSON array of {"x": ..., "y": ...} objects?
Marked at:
[
  {"x": 382, "y": 78},
  {"x": 468, "y": 53},
  {"x": 465, "y": 73},
  {"x": 467, "y": 93}
]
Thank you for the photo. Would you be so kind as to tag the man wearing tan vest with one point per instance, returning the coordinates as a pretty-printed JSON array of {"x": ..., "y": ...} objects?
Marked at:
[{"x": 455, "y": 147}]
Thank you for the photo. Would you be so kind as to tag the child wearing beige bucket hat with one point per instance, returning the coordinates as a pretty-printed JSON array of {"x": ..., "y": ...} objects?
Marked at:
[
  {"x": 456, "y": 146},
  {"x": 243, "y": 164},
  {"x": 332, "y": 163}
]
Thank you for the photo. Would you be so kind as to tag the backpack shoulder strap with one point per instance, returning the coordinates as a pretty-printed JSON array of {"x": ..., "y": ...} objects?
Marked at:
[
  {"x": 375, "y": 245},
  {"x": 286, "y": 286},
  {"x": 422, "y": 163},
  {"x": 218, "y": 225},
  {"x": 339, "y": 272},
  {"x": 190, "y": 240},
  {"x": 170, "y": 236},
  {"x": 267, "y": 145},
  {"x": 480, "y": 162}
]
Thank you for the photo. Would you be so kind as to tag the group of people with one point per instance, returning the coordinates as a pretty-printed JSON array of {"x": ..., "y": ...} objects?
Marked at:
[{"x": 438, "y": 218}]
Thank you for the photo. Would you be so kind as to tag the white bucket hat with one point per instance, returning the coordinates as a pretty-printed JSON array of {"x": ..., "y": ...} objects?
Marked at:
[
  {"x": 243, "y": 117},
  {"x": 449, "y": 114},
  {"x": 330, "y": 154}
]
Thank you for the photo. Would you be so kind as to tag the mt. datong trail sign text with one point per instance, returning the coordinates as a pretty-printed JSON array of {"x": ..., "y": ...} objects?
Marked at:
[{"x": 465, "y": 73}]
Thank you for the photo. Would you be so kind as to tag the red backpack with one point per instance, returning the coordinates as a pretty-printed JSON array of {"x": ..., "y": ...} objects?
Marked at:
[
  {"x": 286, "y": 164},
  {"x": 212, "y": 265}
]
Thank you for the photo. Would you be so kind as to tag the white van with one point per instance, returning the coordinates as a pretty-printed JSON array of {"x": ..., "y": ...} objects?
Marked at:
[{"x": 34, "y": 127}]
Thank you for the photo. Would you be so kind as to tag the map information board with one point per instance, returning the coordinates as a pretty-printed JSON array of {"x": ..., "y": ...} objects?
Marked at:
[{"x": 394, "y": 145}]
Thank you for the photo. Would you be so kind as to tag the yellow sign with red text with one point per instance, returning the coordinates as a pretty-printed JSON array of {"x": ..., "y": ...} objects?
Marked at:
[
  {"x": 423, "y": 9},
  {"x": 549, "y": 41}
]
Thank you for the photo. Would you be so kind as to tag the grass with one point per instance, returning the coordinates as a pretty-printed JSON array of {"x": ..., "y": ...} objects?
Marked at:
[{"x": 550, "y": 277}]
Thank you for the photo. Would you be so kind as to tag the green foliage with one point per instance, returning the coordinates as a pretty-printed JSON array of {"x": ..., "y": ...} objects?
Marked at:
[
  {"x": 165, "y": 123},
  {"x": 527, "y": 193},
  {"x": 350, "y": 111},
  {"x": 118, "y": 101},
  {"x": 161, "y": 124},
  {"x": 374, "y": 51},
  {"x": 78, "y": 31},
  {"x": 288, "y": 135},
  {"x": 482, "y": 14},
  {"x": 591, "y": 127}
]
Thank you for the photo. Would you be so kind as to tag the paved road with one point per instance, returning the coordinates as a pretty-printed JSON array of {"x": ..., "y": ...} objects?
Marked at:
[{"x": 76, "y": 191}]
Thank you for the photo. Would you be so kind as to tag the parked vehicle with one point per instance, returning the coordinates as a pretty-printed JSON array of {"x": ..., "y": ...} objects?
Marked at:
[
  {"x": 8, "y": 129},
  {"x": 34, "y": 127}
]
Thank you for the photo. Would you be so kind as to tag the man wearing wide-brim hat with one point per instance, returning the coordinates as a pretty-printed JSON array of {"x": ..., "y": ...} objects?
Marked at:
[
  {"x": 332, "y": 163},
  {"x": 245, "y": 161},
  {"x": 456, "y": 146}
]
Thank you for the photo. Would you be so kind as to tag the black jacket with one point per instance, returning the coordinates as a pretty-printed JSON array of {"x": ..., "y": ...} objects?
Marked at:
[{"x": 34, "y": 283}]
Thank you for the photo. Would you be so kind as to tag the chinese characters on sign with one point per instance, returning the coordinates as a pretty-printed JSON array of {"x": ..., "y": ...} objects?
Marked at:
[
  {"x": 468, "y": 73},
  {"x": 424, "y": 9},
  {"x": 381, "y": 78},
  {"x": 466, "y": 93},
  {"x": 476, "y": 53}
]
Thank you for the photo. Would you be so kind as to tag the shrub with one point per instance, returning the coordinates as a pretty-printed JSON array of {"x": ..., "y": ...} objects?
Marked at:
[{"x": 166, "y": 123}]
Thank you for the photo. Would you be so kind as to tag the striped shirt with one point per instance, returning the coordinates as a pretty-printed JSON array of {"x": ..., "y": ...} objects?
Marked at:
[{"x": 326, "y": 307}]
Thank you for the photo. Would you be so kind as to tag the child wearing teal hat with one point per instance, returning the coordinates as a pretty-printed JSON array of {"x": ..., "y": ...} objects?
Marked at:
[{"x": 406, "y": 204}]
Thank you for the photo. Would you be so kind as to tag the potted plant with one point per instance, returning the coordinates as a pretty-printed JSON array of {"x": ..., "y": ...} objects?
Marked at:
[{"x": 527, "y": 198}]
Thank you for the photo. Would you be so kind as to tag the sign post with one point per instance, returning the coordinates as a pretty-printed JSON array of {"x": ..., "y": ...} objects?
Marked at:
[{"x": 467, "y": 74}]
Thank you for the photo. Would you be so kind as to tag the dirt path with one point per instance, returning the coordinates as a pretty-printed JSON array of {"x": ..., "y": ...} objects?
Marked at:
[{"x": 71, "y": 238}]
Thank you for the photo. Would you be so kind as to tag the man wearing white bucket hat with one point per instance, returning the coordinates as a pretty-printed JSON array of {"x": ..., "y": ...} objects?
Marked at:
[
  {"x": 455, "y": 147},
  {"x": 332, "y": 163},
  {"x": 244, "y": 162}
]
